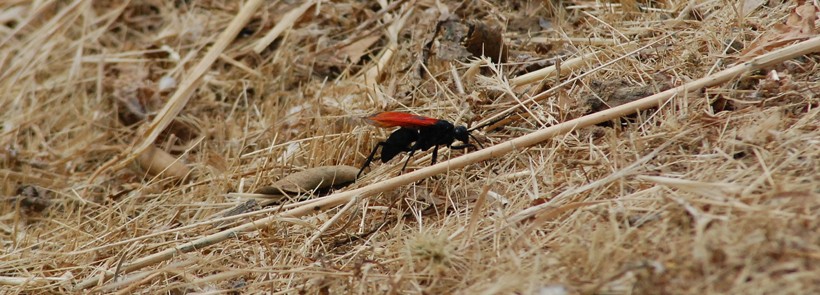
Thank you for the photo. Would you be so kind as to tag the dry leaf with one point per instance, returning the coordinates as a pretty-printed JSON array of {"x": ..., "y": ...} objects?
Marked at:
[
  {"x": 357, "y": 49},
  {"x": 486, "y": 41},
  {"x": 457, "y": 40},
  {"x": 803, "y": 18},
  {"x": 798, "y": 26},
  {"x": 155, "y": 161},
  {"x": 311, "y": 179}
]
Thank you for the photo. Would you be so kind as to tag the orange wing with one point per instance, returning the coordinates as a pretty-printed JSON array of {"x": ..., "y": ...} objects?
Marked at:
[{"x": 393, "y": 119}]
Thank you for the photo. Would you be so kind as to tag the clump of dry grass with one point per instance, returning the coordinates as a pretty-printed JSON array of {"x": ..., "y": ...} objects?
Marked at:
[{"x": 712, "y": 187}]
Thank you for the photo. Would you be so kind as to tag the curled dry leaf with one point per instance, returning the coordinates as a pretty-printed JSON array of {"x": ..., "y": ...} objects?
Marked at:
[
  {"x": 311, "y": 179},
  {"x": 155, "y": 161},
  {"x": 456, "y": 40},
  {"x": 484, "y": 40}
]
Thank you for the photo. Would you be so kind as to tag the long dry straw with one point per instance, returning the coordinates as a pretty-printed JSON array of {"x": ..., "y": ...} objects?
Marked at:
[{"x": 766, "y": 60}]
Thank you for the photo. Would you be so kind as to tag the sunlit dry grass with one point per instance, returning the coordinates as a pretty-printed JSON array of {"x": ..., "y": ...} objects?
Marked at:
[{"x": 715, "y": 191}]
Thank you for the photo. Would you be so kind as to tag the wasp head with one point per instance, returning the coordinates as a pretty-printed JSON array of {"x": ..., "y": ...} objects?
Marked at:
[{"x": 461, "y": 134}]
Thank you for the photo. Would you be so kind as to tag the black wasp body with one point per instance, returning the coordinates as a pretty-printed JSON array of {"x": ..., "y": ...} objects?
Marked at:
[{"x": 416, "y": 133}]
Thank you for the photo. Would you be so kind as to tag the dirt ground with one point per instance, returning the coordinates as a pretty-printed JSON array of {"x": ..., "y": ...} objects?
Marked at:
[{"x": 210, "y": 147}]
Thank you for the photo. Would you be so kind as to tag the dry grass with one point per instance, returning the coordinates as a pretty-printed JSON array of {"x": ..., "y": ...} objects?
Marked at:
[{"x": 715, "y": 191}]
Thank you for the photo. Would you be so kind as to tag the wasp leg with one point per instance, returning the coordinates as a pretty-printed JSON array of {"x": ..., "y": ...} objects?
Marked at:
[
  {"x": 370, "y": 157},
  {"x": 435, "y": 155},
  {"x": 463, "y": 146},
  {"x": 410, "y": 156}
]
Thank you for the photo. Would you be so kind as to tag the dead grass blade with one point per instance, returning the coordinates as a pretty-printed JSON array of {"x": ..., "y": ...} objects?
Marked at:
[{"x": 287, "y": 22}]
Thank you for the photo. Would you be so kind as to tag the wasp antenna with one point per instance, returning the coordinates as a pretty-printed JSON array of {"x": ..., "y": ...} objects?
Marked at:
[{"x": 476, "y": 140}]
